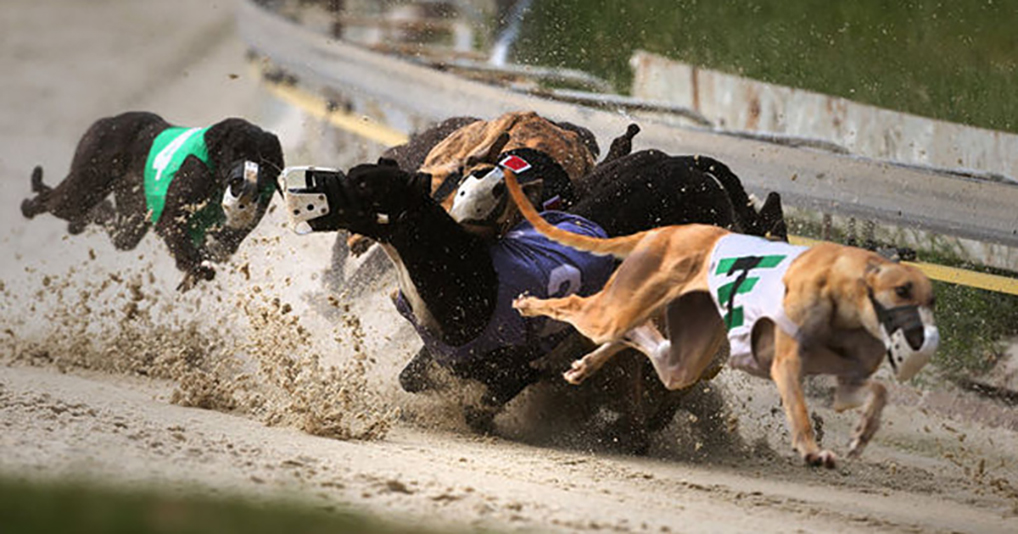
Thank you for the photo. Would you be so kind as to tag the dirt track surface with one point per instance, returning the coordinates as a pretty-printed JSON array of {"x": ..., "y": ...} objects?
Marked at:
[{"x": 104, "y": 365}]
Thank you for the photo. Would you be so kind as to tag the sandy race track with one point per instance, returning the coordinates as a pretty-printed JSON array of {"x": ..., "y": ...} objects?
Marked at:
[{"x": 263, "y": 383}]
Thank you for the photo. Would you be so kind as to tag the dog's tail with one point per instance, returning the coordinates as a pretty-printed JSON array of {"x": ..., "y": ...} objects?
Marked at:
[
  {"x": 768, "y": 222},
  {"x": 620, "y": 247}
]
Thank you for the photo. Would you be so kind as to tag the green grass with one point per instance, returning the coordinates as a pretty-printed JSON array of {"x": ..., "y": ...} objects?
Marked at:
[
  {"x": 972, "y": 323},
  {"x": 30, "y": 507},
  {"x": 951, "y": 60}
]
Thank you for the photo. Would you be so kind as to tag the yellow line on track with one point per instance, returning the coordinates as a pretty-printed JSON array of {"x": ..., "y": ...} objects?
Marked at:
[
  {"x": 954, "y": 275},
  {"x": 380, "y": 133},
  {"x": 355, "y": 124}
]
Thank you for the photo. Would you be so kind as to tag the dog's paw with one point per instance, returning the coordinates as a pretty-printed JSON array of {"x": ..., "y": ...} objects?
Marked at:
[
  {"x": 856, "y": 447},
  {"x": 863, "y": 433},
  {"x": 525, "y": 305},
  {"x": 577, "y": 372},
  {"x": 821, "y": 458},
  {"x": 204, "y": 271},
  {"x": 37, "y": 185},
  {"x": 860, "y": 439}
]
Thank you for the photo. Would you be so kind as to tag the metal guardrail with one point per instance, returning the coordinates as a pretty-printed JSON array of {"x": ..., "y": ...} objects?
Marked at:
[
  {"x": 382, "y": 134},
  {"x": 980, "y": 210},
  {"x": 974, "y": 209}
]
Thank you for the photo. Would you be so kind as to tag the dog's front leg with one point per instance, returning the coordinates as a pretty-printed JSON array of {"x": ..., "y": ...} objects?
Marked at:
[
  {"x": 786, "y": 371},
  {"x": 851, "y": 394},
  {"x": 589, "y": 364},
  {"x": 204, "y": 271}
]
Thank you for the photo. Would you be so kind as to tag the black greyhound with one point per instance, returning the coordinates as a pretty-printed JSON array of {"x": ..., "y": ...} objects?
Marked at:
[
  {"x": 449, "y": 280},
  {"x": 203, "y": 190}
]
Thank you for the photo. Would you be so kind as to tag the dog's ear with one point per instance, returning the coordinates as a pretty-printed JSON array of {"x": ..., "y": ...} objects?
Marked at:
[
  {"x": 772, "y": 218},
  {"x": 226, "y": 140},
  {"x": 421, "y": 183},
  {"x": 870, "y": 273},
  {"x": 622, "y": 145},
  {"x": 387, "y": 162}
]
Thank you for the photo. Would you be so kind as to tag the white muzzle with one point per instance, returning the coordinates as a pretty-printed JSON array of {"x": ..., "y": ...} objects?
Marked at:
[
  {"x": 907, "y": 360},
  {"x": 302, "y": 202},
  {"x": 480, "y": 200},
  {"x": 241, "y": 204}
]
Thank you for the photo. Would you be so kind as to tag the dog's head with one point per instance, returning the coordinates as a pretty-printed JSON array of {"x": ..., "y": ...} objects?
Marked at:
[
  {"x": 246, "y": 197},
  {"x": 901, "y": 303},
  {"x": 481, "y": 203},
  {"x": 366, "y": 200},
  {"x": 247, "y": 160},
  {"x": 479, "y": 146}
]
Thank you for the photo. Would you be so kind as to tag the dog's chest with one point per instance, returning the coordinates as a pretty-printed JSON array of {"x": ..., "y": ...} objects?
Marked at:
[{"x": 406, "y": 285}]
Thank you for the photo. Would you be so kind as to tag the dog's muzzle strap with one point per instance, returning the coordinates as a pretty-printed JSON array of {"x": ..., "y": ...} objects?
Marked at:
[
  {"x": 447, "y": 187},
  {"x": 302, "y": 207},
  {"x": 309, "y": 205},
  {"x": 910, "y": 340}
]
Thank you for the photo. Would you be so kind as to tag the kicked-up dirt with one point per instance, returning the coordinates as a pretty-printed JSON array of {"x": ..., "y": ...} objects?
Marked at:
[{"x": 265, "y": 383}]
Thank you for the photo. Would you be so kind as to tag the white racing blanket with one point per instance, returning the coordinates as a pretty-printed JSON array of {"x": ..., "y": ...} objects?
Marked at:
[{"x": 745, "y": 281}]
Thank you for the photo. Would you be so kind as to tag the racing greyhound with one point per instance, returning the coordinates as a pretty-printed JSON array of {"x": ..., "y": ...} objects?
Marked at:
[
  {"x": 202, "y": 189},
  {"x": 788, "y": 311}
]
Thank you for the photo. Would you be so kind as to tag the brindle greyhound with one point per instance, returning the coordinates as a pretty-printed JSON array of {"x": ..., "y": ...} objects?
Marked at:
[
  {"x": 453, "y": 281},
  {"x": 455, "y": 148}
]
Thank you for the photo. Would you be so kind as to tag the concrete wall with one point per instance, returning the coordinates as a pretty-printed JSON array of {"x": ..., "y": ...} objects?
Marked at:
[{"x": 736, "y": 103}]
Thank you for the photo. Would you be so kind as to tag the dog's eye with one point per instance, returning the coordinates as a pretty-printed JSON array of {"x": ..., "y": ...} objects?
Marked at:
[{"x": 904, "y": 291}]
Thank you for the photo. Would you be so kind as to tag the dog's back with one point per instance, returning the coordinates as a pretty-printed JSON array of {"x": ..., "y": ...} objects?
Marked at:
[
  {"x": 115, "y": 144},
  {"x": 111, "y": 148},
  {"x": 482, "y": 141},
  {"x": 410, "y": 156},
  {"x": 769, "y": 221}
]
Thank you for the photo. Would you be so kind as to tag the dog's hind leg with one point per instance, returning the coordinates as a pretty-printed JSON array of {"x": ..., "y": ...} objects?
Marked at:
[
  {"x": 640, "y": 287},
  {"x": 589, "y": 364},
  {"x": 849, "y": 394},
  {"x": 695, "y": 333},
  {"x": 74, "y": 199}
]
